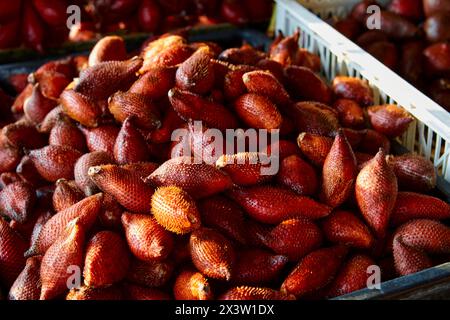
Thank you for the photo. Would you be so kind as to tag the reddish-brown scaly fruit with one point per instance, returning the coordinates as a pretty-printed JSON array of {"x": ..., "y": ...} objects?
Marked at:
[
  {"x": 373, "y": 141},
  {"x": 126, "y": 186},
  {"x": 107, "y": 259},
  {"x": 111, "y": 213},
  {"x": 64, "y": 253},
  {"x": 192, "y": 285},
  {"x": 390, "y": 119},
  {"x": 413, "y": 172},
  {"x": 198, "y": 180},
  {"x": 32, "y": 29},
  {"x": 81, "y": 108},
  {"x": 265, "y": 84},
  {"x": 54, "y": 116},
  {"x": 282, "y": 149},
  {"x": 23, "y": 134},
  {"x": 315, "y": 118},
  {"x": 415, "y": 240},
  {"x": 134, "y": 292},
  {"x": 246, "y": 168},
  {"x": 147, "y": 240},
  {"x": 245, "y": 55},
  {"x": 43, "y": 215},
  {"x": 191, "y": 106},
  {"x": 254, "y": 293},
  {"x": 351, "y": 115},
  {"x": 66, "y": 194},
  {"x": 233, "y": 85},
  {"x": 125, "y": 104},
  {"x": 130, "y": 146},
  {"x": 212, "y": 253},
  {"x": 51, "y": 84},
  {"x": 175, "y": 210},
  {"x": 354, "y": 137},
  {"x": 96, "y": 294},
  {"x": 102, "y": 80},
  {"x": 314, "y": 271},
  {"x": 55, "y": 162},
  {"x": 224, "y": 215},
  {"x": 82, "y": 166},
  {"x": 271, "y": 204},
  {"x": 339, "y": 172},
  {"x": 376, "y": 192},
  {"x": 298, "y": 175},
  {"x": 101, "y": 138},
  {"x": 170, "y": 122},
  {"x": 17, "y": 106},
  {"x": 437, "y": 57},
  {"x": 12, "y": 247},
  {"x": 397, "y": 27},
  {"x": 155, "y": 83},
  {"x": 353, "y": 89},
  {"x": 64, "y": 133},
  {"x": 36, "y": 106},
  {"x": 9, "y": 158},
  {"x": 351, "y": 277},
  {"x": 410, "y": 205},
  {"x": 196, "y": 74},
  {"x": 257, "y": 267},
  {"x": 142, "y": 168},
  {"x": 28, "y": 284},
  {"x": 304, "y": 84},
  {"x": 285, "y": 50},
  {"x": 86, "y": 211},
  {"x": 344, "y": 227},
  {"x": 7, "y": 178},
  {"x": 109, "y": 48},
  {"x": 273, "y": 67},
  {"x": 150, "y": 273},
  {"x": 17, "y": 201},
  {"x": 293, "y": 238},
  {"x": 258, "y": 111}
]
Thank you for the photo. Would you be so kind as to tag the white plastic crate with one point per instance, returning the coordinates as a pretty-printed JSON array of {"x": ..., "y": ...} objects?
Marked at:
[
  {"x": 428, "y": 135},
  {"x": 333, "y": 8}
]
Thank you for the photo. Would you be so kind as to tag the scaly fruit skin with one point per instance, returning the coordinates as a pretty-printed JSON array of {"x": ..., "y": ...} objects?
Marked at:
[
  {"x": 28, "y": 172},
  {"x": 55, "y": 162},
  {"x": 270, "y": 204},
  {"x": 315, "y": 118},
  {"x": 17, "y": 201},
  {"x": 339, "y": 172},
  {"x": 126, "y": 186},
  {"x": 95, "y": 294},
  {"x": 351, "y": 277},
  {"x": 314, "y": 271},
  {"x": 147, "y": 240},
  {"x": 353, "y": 89},
  {"x": 293, "y": 238},
  {"x": 192, "y": 285},
  {"x": 245, "y": 168},
  {"x": 282, "y": 149},
  {"x": 413, "y": 242},
  {"x": 411, "y": 205},
  {"x": 233, "y": 85},
  {"x": 82, "y": 166},
  {"x": 192, "y": 106},
  {"x": 17, "y": 106},
  {"x": 12, "y": 247},
  {"x": 130, "y": 146},
  {"x": 65, "y": 252},
  {"x": 134, "y": 292},
  {"x": 22, "y": 134},
  {"x": 284, "y": 49},
  {"x": 254, "y": 293},
  {"x": 390, "y": 120},
  {"x": 103, "y": 79},
  {"x": 258, "y": 111},
  {"x": 175, "y": 210},
  {"x": 107, "y": 259},
  {"x": 109, "y": 48},
  {"x": 55, "y": 115},
  {"x": 224, "y": 215},
  {"x": 373, "y": 141},
  {"x": 155, "y": 83},
  {"x": 298, "y": 175},
  {"x": 212, "y": 253},
  {"x": 28, "y": 284},
  {"x": 101, "y": 138},
  {"x": 304, "y": 84},
  {"x": 153, "y": 274},
  {"x": 36, "y": 106},
  {"x": 344, "y": 227},
  {"x": 245, "y": 55},
  {"x": 196, "y": 74},
  {"x": 257, "y": 267},
  {"x": 413, "y": 172},
  {"x": 64, "y": 133},
  {"x": 351, "y": 115},
  {"x": 198, "y": 180},
  {"x": 80, "y": 108},
  {"x": 376, "y": 192},
  {"x": 126, "y": 104},
  {"x": 397, "y": 27},
  {"x": 86, "y": 211},
  {"x": 266, "y": 84},
  {"x": 66, "y": 194},
  {"x": 9, "y": 158}
]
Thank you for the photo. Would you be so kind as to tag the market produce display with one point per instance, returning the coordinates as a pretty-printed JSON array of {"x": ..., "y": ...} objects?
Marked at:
[
  {"x": 39, "y": 24},
  {"x": 413, "y": 40},
  {"x": 94, "y": 188}
]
